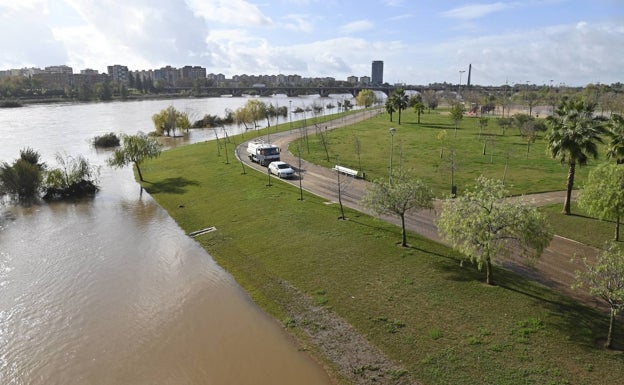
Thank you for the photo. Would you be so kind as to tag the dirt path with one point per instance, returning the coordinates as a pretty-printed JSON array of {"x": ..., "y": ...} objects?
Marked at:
[{"x": 554, "y": 268}]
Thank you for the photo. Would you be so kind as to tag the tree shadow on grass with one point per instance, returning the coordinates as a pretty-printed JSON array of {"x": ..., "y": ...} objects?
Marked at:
[
  {"x": 586, "y": 325},
  {"x": 170, "y": 186},
  {"x": 438, "y": 126}
]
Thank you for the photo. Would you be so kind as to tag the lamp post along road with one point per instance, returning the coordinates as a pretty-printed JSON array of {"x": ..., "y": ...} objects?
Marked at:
[
  {"x": 290, "y": 113},
  {"x": 460, "y": 80},
  {"x": 392, "y": 131}
]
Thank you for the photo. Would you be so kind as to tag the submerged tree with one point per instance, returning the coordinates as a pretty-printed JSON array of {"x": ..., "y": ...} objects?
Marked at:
[
  {"x": 365, "y": 98},
  {"x": 74, "y": 177},
  {"x": 604, "y": 278},
  {"x": 398, "y": 196},
  {"x": 481, "y": 224},
  {"x": 22, "y": 179},
  {"x": 135, "y": 149},
  {"x": 167, "y": 121}
]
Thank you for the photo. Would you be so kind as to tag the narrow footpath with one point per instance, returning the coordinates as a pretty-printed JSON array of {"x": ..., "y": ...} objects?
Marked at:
[{"x": 555, "y": 268}]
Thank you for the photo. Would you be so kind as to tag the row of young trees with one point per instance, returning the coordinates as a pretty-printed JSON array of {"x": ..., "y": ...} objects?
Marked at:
[{"x": 481, "y": 224}]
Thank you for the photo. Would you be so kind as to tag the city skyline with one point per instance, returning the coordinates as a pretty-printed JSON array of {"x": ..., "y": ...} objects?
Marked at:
[{"x": 537, "y": 41}]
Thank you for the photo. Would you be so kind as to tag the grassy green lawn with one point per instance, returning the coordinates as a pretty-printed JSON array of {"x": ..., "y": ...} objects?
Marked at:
[
  {"x": 417, "y": 148},
  {"x": 419, "y": 305},
  {"x": 579, "y": 226}
]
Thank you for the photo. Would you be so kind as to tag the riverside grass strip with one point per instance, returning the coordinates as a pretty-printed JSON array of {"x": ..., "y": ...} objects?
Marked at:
[{"x": 417, "y": 304}]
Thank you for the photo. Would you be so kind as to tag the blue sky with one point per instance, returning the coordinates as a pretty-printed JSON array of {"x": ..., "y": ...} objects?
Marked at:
[{"x": 537, "y": 41}]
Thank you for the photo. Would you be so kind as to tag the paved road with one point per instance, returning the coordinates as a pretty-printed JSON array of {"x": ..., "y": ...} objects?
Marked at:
[{"x": 554, "y": 268}]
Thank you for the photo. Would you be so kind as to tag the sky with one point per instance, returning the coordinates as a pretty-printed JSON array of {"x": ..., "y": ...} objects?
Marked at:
[{"x": 559, "y": 42}]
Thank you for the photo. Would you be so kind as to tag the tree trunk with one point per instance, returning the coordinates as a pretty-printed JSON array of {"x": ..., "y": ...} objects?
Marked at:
[
  {"x": 488, "y": 272},
  {"x": 139, "y": 171},
  {"x": 399, "y": 116},
  {"x": 403, "y": 234},
  {"x": 608, "y": 344},
  {"x": 569, "y": 187}
]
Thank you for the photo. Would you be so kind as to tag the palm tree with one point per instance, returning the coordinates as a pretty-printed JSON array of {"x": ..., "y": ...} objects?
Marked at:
[
  {"x": 573, "y": 138},
  {"x": 400, "y": 100},
  {"x": 390, "y": 106},
  {"x": 416, "y": 102},
  {"x": 615, "y": 131}
]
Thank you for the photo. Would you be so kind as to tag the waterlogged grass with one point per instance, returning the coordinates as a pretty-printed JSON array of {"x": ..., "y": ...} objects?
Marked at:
[
  {"x": 425, "y": 151},
  {"x": 418, "y": 304}
]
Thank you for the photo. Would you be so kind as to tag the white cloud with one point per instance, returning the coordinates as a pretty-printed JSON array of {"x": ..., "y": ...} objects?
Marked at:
[
  {"x": 298, "y": 23},
  {"x": 357, "y": 26},
  {"x": 402, "y": 17},
  {"x": 476, "y": 11},
  {"x": 160, "y": 32},
  {"x": 575, "y": 53},
  {"x": 230, "y": 12},
  {"x": 24, "y": 4},
  {"x": 27, "y": 40}
]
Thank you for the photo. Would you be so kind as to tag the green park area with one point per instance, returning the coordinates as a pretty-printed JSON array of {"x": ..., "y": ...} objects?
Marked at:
[{"x": 422, "y": 307}]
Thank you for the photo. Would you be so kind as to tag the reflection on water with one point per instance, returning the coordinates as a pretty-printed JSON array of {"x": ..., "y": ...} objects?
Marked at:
[{"x": 109, "y": 290}]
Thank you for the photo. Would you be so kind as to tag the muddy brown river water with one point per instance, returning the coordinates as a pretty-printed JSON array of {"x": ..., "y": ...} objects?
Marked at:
[{"x": 109, "y": 290}]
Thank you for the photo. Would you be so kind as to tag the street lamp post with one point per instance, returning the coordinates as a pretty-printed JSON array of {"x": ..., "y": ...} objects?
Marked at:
[
  {"x": 392, "y": 131},
  {"x": 290, "y": 113},
  {"x": 460, "y": 80}
]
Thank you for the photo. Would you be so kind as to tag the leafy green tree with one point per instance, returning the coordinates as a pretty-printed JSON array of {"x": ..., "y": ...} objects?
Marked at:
[
  {"x": 85, "y": 92},
  {"x": 401, "y": 101},
  {"x": 604, "y": 278},
  {"x": 615, "y": 133},
  {"x": 135, "y": 149},
  {"x": 520, "y": 121},
  {"x": 168, "y": 120},
  {"x": 573, "y": 138},
  {"x": 365, "y": 98},
  {"x": 457, "y": 114},
  {"x": 504, "y": 123},
  {"x": 398, "y": 196},
  {"x": 483, "y": 123},
  {"x": 250, "y": 113},
  {"x": 531, "y": 99},
  {"x": 481, "y": 224},
  {"x": 430, "y": 99},
  {"x": 603, "y": 194},
  {"x": 22, "y": 179},
  {"x": 257, "y": 110},
  {"x": 103, "y": 91}
]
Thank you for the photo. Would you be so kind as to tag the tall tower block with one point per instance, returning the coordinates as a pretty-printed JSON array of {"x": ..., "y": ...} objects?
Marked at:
[{"x": 377, "y": 73}]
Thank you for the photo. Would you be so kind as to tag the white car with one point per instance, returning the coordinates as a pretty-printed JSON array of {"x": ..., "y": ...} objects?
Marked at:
[{"x": 281, "y": 169}]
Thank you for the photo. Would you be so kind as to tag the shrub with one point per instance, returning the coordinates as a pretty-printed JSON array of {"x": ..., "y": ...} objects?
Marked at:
[
  {"x": 106, "y": 140},
  {"x": 22, "y": 178},
  {"x": 74, "y": 178}
]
